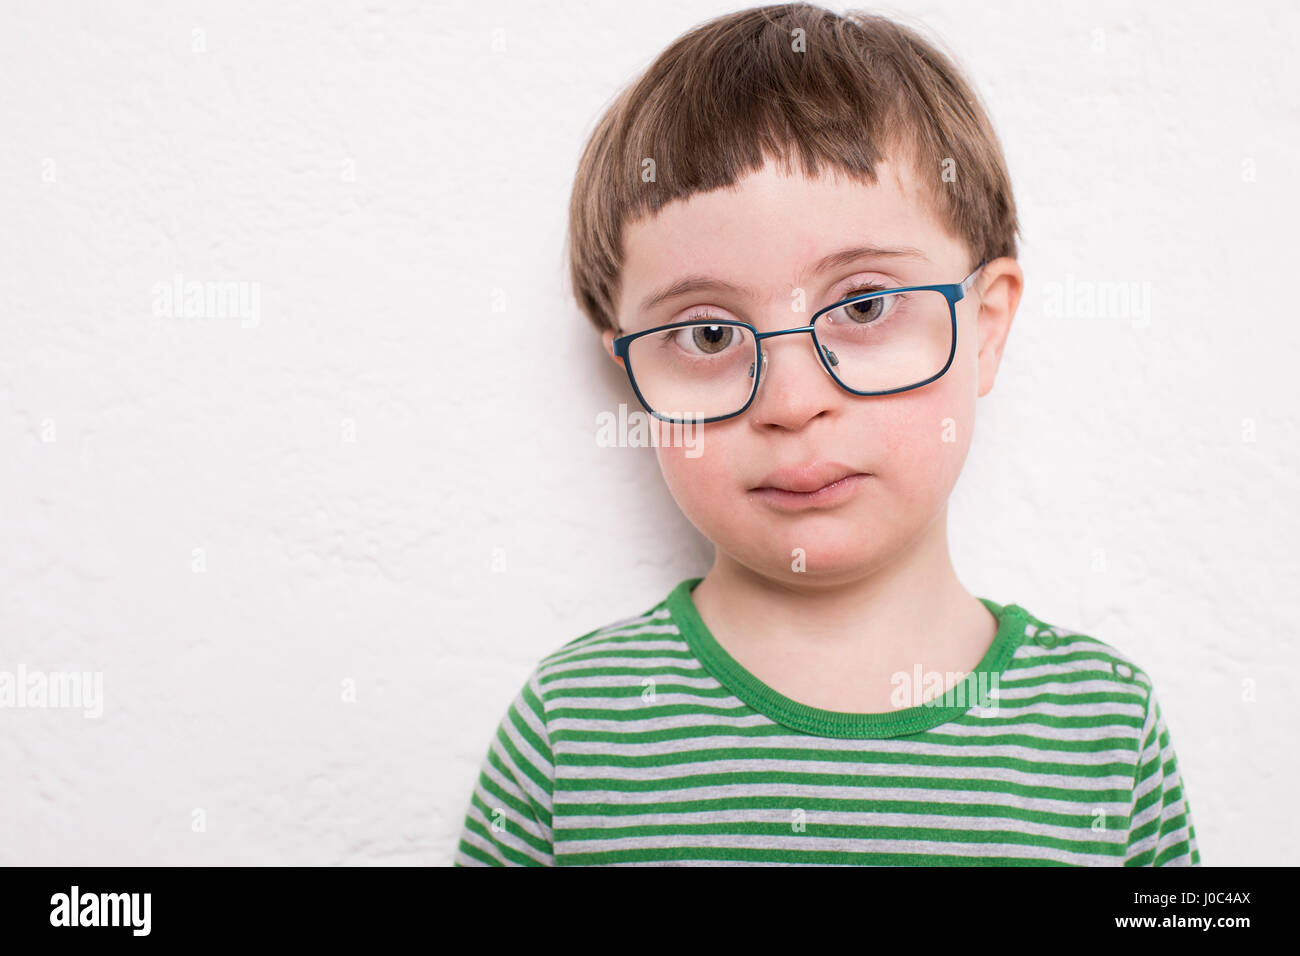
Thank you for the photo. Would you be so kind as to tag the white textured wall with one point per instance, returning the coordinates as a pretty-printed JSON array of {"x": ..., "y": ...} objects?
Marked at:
[{"x": 381, "y": 174}]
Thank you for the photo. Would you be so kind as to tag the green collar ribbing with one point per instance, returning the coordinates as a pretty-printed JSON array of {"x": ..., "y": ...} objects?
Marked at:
[{"x": 970, "y": 691}]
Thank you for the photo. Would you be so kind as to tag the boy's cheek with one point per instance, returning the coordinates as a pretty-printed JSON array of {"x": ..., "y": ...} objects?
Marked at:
[
  {"x": 928, "y": 444},
  {"x": 709, "y": 489},
  {"x": 697, "y": 470},
  {"x": 912, "y": 433}
]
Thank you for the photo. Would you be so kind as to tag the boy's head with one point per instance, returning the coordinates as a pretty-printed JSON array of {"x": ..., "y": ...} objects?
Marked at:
[{"x": 755, "y": 148}]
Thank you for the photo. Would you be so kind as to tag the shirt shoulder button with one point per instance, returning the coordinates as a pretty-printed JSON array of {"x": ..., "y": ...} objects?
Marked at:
[{"x": 1045, "y": 636}]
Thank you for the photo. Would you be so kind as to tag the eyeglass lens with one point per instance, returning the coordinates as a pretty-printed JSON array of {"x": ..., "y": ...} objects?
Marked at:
[{"x": 879, "y": 344}]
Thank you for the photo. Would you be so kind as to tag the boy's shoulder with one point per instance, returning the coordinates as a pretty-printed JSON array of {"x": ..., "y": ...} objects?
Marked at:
[
  {"x": 650, "y": 629},
  {"x": 1067, "y": 649}
]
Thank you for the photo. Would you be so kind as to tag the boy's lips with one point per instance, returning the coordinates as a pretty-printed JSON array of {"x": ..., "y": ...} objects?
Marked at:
[
  {"x": 822, "y": 484},
  {"x": 806, "y": 479}
]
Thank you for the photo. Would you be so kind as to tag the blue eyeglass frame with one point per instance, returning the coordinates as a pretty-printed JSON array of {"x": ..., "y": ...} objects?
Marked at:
[{"x": 954, "y": 292}]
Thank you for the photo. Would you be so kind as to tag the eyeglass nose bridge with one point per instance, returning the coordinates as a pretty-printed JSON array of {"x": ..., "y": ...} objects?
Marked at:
[{"x": 826, "y": 357}]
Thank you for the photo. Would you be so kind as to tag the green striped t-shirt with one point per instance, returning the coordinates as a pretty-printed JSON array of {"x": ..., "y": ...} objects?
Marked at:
[{"x": 645, "y": 742}]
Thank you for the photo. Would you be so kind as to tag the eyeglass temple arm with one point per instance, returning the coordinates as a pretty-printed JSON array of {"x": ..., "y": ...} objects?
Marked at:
[{"x": 969, "y": 281}]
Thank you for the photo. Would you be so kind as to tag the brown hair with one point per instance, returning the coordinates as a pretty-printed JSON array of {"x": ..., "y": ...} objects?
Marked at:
[{"x": 736, "y": 90}]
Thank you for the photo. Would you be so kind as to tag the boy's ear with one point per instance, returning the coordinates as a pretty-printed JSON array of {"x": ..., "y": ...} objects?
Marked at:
[{"x": 1003, "y": 283}]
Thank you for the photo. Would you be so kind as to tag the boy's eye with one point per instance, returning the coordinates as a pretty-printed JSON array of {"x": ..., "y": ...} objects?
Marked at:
[
  {"x": 866, "y": 311},
  {"x": 706, "y": 339},
  {"x": 712, "y": 338}
]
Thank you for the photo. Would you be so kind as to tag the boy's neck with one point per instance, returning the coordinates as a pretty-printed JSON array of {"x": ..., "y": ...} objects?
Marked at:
[{"x": 850, "y": 634}]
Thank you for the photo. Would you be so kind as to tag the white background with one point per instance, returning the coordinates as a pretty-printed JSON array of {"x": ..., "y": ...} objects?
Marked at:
[{"x": 386, "y": 173}]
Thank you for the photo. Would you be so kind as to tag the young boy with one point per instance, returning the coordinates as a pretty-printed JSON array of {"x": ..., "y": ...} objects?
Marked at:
[{"x": 829, "y": 693}]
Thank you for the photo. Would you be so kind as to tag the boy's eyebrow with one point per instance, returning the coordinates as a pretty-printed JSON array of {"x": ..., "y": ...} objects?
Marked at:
[{"x": 699, "y": 283}]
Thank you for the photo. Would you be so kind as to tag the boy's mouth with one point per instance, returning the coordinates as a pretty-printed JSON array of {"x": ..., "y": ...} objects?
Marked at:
[{"x": 817, "y": 484}]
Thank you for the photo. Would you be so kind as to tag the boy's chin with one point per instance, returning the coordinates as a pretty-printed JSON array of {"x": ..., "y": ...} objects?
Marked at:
[{"x": 825, "y": 561}]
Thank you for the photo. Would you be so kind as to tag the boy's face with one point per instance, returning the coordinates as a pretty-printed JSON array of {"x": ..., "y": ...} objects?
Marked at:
[{"x": 767, "y": 234}]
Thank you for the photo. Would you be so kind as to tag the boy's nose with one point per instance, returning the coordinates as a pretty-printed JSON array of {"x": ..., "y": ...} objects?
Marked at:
[{"x": 798, "y": 390}]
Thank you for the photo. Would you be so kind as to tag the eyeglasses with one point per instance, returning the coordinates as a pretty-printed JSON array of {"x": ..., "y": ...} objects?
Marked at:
[{"x": 879, "y": 343}]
